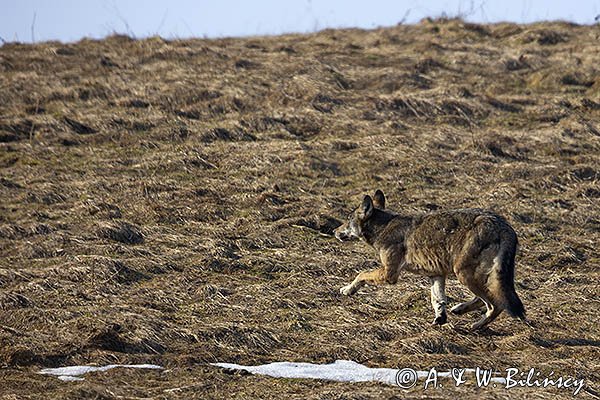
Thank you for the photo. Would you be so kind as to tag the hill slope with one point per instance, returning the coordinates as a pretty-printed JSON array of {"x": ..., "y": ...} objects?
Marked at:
[{"x": 172, "y": 202}]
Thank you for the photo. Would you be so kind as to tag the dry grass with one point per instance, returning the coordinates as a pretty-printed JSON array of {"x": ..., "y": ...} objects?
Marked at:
[{"x": 172, "y": 202}]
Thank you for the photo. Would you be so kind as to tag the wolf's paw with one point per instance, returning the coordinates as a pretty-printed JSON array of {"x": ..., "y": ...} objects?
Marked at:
[
  {"x": 347, "y": 290},
  {"x": 457, "y": 309},
  {"x": 440, "y": 319}
]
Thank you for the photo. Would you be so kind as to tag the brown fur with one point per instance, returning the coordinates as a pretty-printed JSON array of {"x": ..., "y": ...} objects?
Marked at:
[{"x": 476, "y": 246}]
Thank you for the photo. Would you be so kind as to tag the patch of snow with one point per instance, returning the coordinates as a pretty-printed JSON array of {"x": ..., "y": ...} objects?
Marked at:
[
  {"x": 341, "y": 370},
  {"x": 74, "y": 372}
]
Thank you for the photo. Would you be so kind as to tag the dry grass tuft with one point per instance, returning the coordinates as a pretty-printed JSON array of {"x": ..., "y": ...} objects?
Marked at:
[{"x": 123, "y": 232}]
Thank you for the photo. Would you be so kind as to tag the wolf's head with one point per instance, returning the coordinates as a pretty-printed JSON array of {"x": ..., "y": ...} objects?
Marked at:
[{"x": 353, "y": 227}]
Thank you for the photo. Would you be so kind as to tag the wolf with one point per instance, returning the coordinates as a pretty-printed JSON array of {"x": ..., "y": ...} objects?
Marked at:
[{"x": 477, "y": 246}]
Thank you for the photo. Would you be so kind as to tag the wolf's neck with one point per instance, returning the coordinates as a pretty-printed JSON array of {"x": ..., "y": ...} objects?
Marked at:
[{"x": 375, "y": 226}]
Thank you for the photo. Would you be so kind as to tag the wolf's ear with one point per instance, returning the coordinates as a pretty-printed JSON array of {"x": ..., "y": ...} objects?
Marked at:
[
  {"x": 366, "y": 208},
  {"x": 379, "y": 199}
]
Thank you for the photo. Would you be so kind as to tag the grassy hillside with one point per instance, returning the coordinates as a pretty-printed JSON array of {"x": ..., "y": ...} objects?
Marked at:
[{"x": 172, "y": 202}]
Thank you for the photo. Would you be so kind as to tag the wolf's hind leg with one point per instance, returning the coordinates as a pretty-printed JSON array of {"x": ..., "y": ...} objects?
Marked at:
[
  {"x": 468, "y": 306},
  {"x": 491, "y": 314},
  {"x": 438, "y": 299},
  {"x": 375, "y": 276}
]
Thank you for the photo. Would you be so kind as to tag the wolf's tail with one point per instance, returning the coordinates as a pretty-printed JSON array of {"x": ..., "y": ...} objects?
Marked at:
[{"x": 514, "y": 305}]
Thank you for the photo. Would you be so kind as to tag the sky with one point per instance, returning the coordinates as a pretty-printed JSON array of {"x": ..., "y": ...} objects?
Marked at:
[{"x": 71, "y": 20}]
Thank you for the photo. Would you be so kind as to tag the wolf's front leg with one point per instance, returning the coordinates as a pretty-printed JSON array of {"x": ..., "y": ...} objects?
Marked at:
[
  {"x": 375, "y": 276},
  {"x": 438, "y": 299}
]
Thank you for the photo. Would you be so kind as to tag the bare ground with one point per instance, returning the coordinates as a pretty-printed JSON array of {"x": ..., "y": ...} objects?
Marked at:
[{"x": 172, "y": 202}]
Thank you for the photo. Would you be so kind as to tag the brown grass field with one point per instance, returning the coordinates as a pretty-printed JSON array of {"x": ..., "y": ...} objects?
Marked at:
[{"x": 172, "y": 202}]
